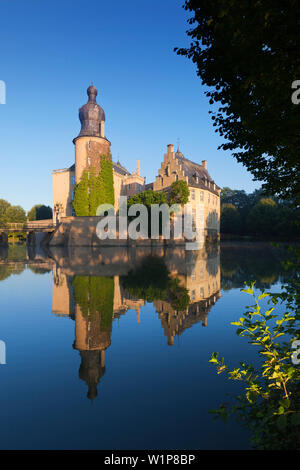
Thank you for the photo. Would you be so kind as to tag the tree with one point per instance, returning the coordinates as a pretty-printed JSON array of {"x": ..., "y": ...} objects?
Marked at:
[
  {"x": 230, "y": 219},
  {"x": 15, "y": 214},
  {"x": 248, "y": 54},
  {"x": 40, "y": 212},
  {"x": 179, "y": 193},
  {"x": 148, "y": 198},
  {"x": 263, "y": 218},
  {"x": 4, "y": 205}
]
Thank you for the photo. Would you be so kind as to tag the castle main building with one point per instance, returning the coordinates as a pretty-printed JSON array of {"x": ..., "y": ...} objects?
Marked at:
[{"x": 91, "y": 142}]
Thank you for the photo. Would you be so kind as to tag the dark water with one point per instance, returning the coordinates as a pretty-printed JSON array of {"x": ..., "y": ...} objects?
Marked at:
[{"x": 109, "y": 349}]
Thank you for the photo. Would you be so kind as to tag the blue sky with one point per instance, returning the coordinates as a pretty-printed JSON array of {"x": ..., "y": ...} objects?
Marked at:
[{"x": 51, "y": 52}]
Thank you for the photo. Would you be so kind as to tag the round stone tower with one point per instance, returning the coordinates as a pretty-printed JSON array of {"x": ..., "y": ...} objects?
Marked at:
[{"x": 91, "y": 141}]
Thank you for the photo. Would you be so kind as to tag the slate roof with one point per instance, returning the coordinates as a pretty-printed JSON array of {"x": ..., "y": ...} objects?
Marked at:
[
  {"x": 118, "y": 168},
  {"x": 198, "y": 176}
]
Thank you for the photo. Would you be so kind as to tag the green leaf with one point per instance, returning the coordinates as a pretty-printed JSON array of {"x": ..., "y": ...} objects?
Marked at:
[
  {"x": 247, "y": 291},
  {"x": 262, "y": 296}
]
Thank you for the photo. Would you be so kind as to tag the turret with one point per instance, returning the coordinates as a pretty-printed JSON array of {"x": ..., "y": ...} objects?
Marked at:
[{"x": 91, "y": 141}]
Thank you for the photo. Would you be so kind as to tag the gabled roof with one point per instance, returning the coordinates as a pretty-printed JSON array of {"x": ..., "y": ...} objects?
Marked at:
[{"x": 198, "y": 176}]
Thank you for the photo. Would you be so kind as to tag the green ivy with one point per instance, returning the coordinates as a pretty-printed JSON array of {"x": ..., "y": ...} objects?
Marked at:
[
  {"x": 81, "y": 196},
  {"x": 94, "y": 189}
]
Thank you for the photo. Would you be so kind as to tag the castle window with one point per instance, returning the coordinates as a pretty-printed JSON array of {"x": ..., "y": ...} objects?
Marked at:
[
  {"x": 89, "y": 144},
  {"x": 89, "y": 161},
  {"x": 201, "y": 196},
  {"x": 193, "y": 194},
  {"x": 73, "y": 180}
]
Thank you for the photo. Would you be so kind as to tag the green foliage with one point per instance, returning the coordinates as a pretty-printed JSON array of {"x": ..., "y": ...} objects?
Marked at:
[
  {"x": 15, "y": 214},
  {"x": 147, "y": 198},
  {"x": 270, "y": 404},
  {"x": 262, "y": 218},
  {"x": 247, "y": 53},
  {"x": 94, "y": 189},
  {"x": 179, "y": 193},
  {"x": 106, "y": 181},
  {"x": 258, "y": 215},
  {"x": 95, "y": 296},
  {"x": 40, "y": 212},
  {"x": 151, "y": 281},
  {"x": 4, "y": 205},
  {"x": 81, "y": 196},
  {"x": 230, "y": 219}
]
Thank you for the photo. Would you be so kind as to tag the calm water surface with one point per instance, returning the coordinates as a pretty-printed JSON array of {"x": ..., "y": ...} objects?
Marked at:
[{"x": 109, "y": 349}]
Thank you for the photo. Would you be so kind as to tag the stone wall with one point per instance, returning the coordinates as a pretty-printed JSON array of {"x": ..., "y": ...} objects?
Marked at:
[
  {"x": 81, "y": 231},
  {"x": 87, "y": 152}
]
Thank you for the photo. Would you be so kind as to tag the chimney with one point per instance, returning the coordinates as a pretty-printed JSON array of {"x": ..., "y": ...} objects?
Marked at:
[
  {"x": 138, "y": 167},
  {"x": 204, "y": 164},
  {"x": 170, "y": 148}
]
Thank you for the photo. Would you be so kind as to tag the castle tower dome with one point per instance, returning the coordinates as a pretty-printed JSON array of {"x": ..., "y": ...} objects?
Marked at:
[{"x": 91, "y": 116}]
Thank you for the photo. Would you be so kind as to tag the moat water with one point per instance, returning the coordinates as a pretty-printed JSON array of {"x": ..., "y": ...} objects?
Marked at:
[{"x": 110, "y": 349}]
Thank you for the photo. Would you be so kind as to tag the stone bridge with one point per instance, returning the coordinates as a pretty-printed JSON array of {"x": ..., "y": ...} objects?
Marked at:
[{"x": 36, "y": 230}]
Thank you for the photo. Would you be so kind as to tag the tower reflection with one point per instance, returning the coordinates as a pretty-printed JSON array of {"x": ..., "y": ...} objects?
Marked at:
[{"x": 94, "y": 287}]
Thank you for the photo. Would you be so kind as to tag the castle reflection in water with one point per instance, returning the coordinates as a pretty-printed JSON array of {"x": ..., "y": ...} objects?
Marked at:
[{"x": 88, "y": 288}]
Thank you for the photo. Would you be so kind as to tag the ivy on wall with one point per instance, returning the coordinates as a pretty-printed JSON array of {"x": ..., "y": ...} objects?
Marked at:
[
  {"x": 94, "y": 189},
  {"x": 95, "y": 296},
  {"x": 81, "y": 196},
  {"x": 107, "y": 181}
]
